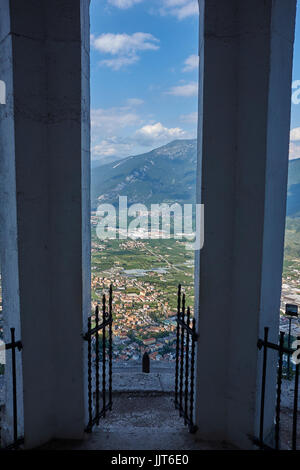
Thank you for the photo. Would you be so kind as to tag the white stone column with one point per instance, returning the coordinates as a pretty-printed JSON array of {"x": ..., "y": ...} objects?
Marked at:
[
  {"x": 45, "y": 206},
  {"x": 246, "y": 52}
]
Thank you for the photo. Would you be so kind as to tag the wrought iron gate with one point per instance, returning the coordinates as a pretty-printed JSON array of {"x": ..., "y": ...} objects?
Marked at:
[
  {"x": 95, "y": 350},
  {"x": 283, "y": 369},
  {"x": 186, "y": 338},
  {"x": 13, "y": 346}
]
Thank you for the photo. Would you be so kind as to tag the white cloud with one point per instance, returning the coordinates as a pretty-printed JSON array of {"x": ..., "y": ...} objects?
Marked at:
[
  {"x": 119, "y": 62},
  {"x": 124, "y": 47},
  {"x": 121, "y": 131},
  {"x": 124, "y": 3},
  {"x": 149, "y": 137},
  {"x": 108, "y": 121},
  {"x": 134, "y": 102},
  {"x": 190, "y": 89},
  {"x": 157, "y": 134},
  {"x": 191, "y": 63},
  {"x": 111, "y": 147},
  {"x": 124, "y": 43},
  {"x": 180, "y": 8},
  {"x": 295, "y": 134},
  {"x": 294, "y": 151},
  {"x": 109, "y": 128},
  {"x": 192, "y": 117}
]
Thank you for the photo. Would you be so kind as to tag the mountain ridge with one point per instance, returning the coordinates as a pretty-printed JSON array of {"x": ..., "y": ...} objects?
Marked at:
[
  {"x": 149, "y": 177},
  {"x": 166, "y": 174}
]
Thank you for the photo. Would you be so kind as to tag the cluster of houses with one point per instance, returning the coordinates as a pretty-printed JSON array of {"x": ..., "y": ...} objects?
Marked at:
[
  {"x": 142, "y": 322},
  {"x": 290, "y": 294}
]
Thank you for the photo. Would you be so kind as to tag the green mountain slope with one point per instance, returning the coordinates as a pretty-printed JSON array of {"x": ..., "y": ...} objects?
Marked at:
[
  {"x": 162, "y": 175},
  {"x": 166, "y": 174},
  {"x": 293, "y": 195}
]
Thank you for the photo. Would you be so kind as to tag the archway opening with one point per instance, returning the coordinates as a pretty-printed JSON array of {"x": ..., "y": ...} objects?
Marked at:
[{"x": 144, "y": 101}]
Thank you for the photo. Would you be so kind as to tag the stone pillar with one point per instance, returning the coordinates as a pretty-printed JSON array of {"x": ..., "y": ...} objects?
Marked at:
[
  {"x": 246, "y": 52},
  {"x": 45, "y": 206}
]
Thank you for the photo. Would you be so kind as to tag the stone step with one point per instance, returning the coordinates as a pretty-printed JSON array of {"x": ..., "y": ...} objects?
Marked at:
[{"x": 143, "y": 383}]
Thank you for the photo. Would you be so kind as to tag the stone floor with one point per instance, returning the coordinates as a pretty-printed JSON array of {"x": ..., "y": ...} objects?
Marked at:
[
  {"x": 146, "y": 383},
  {"x": 139, "y": 421},
  {"x": 143, "y": 418}
]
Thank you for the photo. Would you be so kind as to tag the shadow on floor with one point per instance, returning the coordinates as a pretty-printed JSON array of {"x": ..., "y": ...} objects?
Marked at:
[{"x": 139, "y": 421}]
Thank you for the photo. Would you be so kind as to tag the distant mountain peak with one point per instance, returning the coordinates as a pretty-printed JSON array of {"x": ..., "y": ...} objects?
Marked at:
[{"x": 164, "y": 174}]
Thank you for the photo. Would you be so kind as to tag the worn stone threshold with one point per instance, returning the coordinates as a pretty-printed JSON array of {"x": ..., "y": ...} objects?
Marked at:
[
  {"x": 139, "y": 382},
  {"x": 139, "y": 421},
  {"x": 143, "y": 417}
]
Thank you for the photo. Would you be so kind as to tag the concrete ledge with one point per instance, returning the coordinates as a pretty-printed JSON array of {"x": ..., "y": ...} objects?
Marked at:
[{"x": 138, "y": 382}]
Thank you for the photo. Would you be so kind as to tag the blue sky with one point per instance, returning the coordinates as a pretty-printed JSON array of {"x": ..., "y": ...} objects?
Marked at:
[
  {"x": 144, "y": 74},
  {"x": 295, "y": 116}
]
